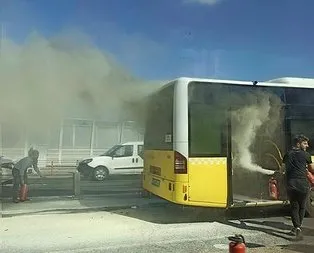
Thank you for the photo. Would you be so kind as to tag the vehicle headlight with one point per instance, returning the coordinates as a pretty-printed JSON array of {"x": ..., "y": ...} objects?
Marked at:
[{"x": 87, "y": 160}]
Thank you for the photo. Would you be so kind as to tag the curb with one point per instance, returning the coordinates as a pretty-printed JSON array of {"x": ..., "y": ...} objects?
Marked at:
[
  {"x": 72, "y": 197},
  {"x": 136, "y": 192}
]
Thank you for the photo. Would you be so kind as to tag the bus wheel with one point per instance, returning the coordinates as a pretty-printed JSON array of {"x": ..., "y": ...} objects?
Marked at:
[
  {"x": 145, "y": 194},
  {"x": 310, "y": 204}
]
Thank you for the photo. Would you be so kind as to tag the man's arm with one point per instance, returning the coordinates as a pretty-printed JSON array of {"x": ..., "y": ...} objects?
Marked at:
[{"x": 35, "y": 166}]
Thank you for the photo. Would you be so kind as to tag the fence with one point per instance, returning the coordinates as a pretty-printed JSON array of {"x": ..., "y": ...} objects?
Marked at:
[{"x": 75, "y": 140}]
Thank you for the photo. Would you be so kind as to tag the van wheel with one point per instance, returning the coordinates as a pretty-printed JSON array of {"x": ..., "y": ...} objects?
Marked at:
[
  {"x": 101, "y": 173},
  {"x": 310, "y": 204}
]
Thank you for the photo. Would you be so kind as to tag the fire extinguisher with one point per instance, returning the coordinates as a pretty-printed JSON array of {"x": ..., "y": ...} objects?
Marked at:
[
  {"x": 23, "y": 192},
  {"x": 273, "y": 188},
  {"x": 237, "y": 244}
]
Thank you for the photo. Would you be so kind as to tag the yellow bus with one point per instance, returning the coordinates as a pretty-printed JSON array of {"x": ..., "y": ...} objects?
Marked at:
[{"x": 217, "y": 143}]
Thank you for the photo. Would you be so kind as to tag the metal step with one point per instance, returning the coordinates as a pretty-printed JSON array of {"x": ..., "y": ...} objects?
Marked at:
[{"x": 246, "y": 201}]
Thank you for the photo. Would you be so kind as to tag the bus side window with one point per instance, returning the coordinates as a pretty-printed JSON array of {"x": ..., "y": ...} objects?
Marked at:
[{"x": 208, "y": 97}]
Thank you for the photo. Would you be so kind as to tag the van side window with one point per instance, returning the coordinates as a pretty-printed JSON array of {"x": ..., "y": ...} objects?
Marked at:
[{"x": 124, "y": 151}]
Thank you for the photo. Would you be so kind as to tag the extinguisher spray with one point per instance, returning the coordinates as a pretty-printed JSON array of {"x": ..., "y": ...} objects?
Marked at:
[{"x": 237, "y": 244}]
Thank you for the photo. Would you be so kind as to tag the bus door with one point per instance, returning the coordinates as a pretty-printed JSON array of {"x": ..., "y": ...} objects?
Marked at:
[
  {"x": 208, "y": 160},
  {"x": 208, "y": 181}
]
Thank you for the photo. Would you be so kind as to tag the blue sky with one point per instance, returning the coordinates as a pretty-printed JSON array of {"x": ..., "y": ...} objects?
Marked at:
[{"x": 162, "y": 39}]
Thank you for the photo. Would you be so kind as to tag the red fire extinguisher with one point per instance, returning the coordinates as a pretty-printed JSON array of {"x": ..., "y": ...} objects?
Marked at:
[
  {"x": 273, "y": 188},
  {"x": 23, "y": 192},
  {"x": 310, "y": 177},
  {"x": 237, "y": 244}
]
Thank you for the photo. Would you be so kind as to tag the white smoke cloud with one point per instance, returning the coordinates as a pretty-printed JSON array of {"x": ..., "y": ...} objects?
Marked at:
[
  {"x": 45, "y": 80},
  {"x": 248, "y": 121}
]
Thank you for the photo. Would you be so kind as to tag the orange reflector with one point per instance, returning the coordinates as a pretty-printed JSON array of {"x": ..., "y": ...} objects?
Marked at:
[{"x": 184, "y": 189}]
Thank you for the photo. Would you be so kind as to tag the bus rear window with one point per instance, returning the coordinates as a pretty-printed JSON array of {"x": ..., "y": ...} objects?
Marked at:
[
  {"x": 159, "y": 123},
  {"x": 207, "y": 120}
]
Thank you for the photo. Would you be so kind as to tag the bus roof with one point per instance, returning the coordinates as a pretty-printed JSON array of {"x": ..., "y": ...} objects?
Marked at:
[
  {"x": 296, "y": 82},
  {"x": 280, "y": 82},
  {"x": 293, "y": 80}
]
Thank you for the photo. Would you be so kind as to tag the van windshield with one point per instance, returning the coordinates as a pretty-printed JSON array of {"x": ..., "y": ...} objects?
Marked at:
[{"x": 111, "y": 150}]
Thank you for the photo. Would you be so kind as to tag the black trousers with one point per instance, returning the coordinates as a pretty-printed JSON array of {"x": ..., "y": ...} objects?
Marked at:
[
  {"x": 298, "y": 202},
  {"x": 17, "y": 180}
]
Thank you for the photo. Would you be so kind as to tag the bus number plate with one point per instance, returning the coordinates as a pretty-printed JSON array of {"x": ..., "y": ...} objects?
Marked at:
[{"x": 156, "y": 182}]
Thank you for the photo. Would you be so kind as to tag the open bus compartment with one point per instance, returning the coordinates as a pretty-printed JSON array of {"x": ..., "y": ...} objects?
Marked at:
[{"x": 252, "y": 187}]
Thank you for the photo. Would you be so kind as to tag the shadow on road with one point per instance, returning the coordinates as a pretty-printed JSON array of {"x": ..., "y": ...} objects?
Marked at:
[
  {"x": 171, "y": 213},
  {"x": 302, "y": 248},
  {"x": 245, "y": 219},
  {"x": 262, "y": 227},
  {"x": 273, "y": 228}
]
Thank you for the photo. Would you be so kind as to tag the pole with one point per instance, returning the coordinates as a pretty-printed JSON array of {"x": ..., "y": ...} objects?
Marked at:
[
  {"x": 92, "y": 141},
  {"x": 121, "y": 132},
  {"x": 76, "y": 184},
  {"x": 61, "y": 142}
]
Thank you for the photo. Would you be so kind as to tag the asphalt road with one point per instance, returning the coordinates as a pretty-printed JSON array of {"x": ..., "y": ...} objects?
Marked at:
[
  {"x": 166, "y": 228},
  {"x": 151, "y": 229},
  {"x": 63, "y": 186}
]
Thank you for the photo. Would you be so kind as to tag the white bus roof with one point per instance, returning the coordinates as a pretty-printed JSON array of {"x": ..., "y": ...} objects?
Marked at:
[
  {"x": 280, "y": 82},
  {"x": 293, "y": 80}
]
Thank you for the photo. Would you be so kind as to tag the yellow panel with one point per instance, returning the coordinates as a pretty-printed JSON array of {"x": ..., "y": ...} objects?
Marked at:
[
  {"x": 208, "y": 181},
  {"x": 160, "y": 163},
  {"x": 204, "y": 185},
  {"x": 158, "y": 186},
  {"x": 158, "y": 173}
]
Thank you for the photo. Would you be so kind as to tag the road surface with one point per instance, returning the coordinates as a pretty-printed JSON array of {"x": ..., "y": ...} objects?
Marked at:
[
  {"x": 162, "y": 228},
  {"x": 141, "y": 230}
]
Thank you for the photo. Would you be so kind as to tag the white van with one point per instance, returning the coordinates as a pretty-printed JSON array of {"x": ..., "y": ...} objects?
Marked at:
[{"x": 121, "y": 159}]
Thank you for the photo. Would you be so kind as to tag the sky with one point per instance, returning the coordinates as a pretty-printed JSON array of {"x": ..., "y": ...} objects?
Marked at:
[{"x": 165, "y": 39}]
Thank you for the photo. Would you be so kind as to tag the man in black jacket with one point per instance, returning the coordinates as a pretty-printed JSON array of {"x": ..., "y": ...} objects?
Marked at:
[
  {"x": 19, "y": 171},
  {"x": 297, "y": 161}
]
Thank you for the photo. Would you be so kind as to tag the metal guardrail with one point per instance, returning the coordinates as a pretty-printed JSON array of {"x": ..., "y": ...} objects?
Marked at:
[{"x": 76, "y": 182}]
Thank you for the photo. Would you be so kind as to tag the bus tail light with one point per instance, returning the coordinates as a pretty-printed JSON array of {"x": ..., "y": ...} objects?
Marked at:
[{"x": 180, "y": 164}]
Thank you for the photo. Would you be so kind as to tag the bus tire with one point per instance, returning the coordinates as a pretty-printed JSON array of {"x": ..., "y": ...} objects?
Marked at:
[
  {"x": 310, "y": 204},
  {"x": 100, "y": 173},
  {"x": 145, "y": 194}
]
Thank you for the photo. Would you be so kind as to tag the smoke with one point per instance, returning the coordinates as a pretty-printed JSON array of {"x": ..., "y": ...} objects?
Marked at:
[
  {"x": 47, "y": 79},
  {"x": 260, "y": 116}
]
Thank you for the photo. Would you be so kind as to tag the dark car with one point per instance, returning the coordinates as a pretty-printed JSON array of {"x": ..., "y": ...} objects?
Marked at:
[{"x": 6, "y": 163}]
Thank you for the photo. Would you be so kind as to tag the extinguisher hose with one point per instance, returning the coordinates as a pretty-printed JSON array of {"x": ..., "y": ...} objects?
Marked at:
[
  {"x": 237, "y": 239},
  {"x": 243, "y": 240},
  {"x": 276, "y": 160},
  {"x": 276, "y": 147}
]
